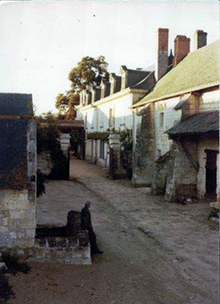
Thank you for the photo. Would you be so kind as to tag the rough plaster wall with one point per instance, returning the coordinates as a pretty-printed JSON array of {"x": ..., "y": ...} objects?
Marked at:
[
  {"x": 144, "y": 154},
  {"x": 209, "y": 144},
  {"x": 209, "y": 101}
]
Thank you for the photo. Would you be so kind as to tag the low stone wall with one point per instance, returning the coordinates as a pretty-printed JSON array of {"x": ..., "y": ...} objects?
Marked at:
[
  {"x": 64, "y": 250},
  {"x": 67, "y": 250}
]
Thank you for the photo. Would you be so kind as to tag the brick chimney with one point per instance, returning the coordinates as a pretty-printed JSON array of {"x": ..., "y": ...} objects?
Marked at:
[
  {"x": 200, "y": 39},
  {"x": 162, "y": 53},
  {"x": 182, "y": 48}
]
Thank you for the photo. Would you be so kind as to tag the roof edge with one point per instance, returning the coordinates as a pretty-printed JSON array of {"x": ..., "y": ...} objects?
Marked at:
[{"x": 209, "y": 85}]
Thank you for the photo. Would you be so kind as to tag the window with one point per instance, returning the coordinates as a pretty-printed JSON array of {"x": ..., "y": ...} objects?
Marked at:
[
  {"x": 162, "y": 120},
  {"x": 102, "y": 149}
]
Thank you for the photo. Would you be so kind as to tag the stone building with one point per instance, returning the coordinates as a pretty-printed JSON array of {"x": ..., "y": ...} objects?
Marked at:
[
  {"x": 17, "y": 171},
  {"x": 108, "y": 108},
  {"x": 177, "y": 142}
]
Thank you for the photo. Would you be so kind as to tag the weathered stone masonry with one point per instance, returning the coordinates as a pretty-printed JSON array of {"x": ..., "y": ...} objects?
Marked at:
[{"x": 17, "y": 171}]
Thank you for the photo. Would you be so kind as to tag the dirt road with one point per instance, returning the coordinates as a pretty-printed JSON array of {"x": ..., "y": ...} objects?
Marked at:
[{"x": 153, "y": 252}]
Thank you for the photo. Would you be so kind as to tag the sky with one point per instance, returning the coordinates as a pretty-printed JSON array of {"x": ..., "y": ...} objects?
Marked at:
[{"x": 41, "y": 41}]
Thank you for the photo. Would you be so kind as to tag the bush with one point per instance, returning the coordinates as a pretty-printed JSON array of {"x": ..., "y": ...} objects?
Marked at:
[{"x": 48, "y": 140}]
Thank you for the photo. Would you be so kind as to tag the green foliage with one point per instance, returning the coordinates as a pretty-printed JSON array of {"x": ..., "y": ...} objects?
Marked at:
[
  {"x": 62, "y": 103},
  {"x": 98, "y": 136},
  {"x": 213, "y": 213},
  {"x": 48, "y": 140},
  {"x": 126, "y": 152},
  {"x": 89, "y": 71},
  {"x": 125, "y": 135},
  {"x": 48, "y": 137}
]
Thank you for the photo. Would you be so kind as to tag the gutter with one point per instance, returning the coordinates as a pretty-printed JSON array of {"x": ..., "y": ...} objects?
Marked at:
[{"x": 176, "y": 94}]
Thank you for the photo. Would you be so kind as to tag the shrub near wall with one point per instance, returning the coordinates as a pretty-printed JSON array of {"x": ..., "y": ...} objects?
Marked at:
[{"x": 48, "y": 141}]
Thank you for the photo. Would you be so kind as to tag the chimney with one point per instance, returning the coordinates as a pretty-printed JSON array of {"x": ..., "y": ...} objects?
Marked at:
[
  {"x": 162, "y": 53},
  {"x": 182, "y": 48},
  {"x": 200, "y": 39}
]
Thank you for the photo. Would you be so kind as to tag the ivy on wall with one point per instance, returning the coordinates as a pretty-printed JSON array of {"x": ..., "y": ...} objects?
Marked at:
[{"x": 124, "y": 134}]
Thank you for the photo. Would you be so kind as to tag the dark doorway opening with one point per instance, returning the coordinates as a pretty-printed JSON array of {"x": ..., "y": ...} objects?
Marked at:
[{"x": 211, "y": 173}]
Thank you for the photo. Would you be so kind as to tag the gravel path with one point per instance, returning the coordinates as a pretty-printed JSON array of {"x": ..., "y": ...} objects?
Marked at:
[{"x": 153, "y": 252}]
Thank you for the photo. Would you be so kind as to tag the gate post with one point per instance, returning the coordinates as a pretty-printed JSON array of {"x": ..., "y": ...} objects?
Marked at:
[{"x": 65, "y": 143}]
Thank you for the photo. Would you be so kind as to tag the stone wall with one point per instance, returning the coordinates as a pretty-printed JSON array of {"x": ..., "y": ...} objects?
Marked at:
[
  {"x": 18, "y": 206},
  {"x": 68, "y": 250},
  {"x": 182, "y": 180},
  {"x": 144, "y": 153},
  {"x": 17, "y": 219},
  {"x": 164, "y": 165}
]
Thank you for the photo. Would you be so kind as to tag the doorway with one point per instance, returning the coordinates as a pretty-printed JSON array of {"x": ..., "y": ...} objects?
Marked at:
[{"x": 211, "y": 173}]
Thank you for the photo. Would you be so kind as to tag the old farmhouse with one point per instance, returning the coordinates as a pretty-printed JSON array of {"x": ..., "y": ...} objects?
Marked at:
[{"x": 178, "y": 143}]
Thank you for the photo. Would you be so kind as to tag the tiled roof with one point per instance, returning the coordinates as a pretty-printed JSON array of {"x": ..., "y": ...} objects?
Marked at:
[
  {"x": 197, "y": 124},
  {"x": 16, "y": 104},
  {"x": 13, "y": 151},
  {"x": 146, "y": 83},
  {"x": 198, "y": 70}
]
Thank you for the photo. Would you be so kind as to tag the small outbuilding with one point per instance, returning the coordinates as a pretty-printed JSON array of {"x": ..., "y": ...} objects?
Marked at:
[{"x": 17, "y": 171}]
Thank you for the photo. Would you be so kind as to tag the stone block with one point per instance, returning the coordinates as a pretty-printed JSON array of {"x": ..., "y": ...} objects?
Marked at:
[
  {"x": 24, "y": 243},
  {"x": 30, "y": 233},
  {"x": 4, "y": 230},
  {"x": 13, "y": 235},
  {"x": 5, "y": 221},
  {"x": 27, "y": 223}
]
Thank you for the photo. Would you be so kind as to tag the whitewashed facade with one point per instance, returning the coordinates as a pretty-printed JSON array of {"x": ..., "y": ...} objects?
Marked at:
[{"x": 112, "y": 112}]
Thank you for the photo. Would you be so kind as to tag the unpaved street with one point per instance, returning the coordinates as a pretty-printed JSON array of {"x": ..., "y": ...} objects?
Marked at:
[{"x": 153, "y": 252}]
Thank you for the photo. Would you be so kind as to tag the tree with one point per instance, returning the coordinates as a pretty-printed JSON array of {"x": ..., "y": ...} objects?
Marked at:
[
  {"x": 89, "y": 71},
  {"x": 62, "y": 103}
]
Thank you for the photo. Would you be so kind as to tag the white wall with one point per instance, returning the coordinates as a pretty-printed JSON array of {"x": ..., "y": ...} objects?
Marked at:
[
  {"x": 209, "y": 101},
  {"x": 171, "y": 118}
]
